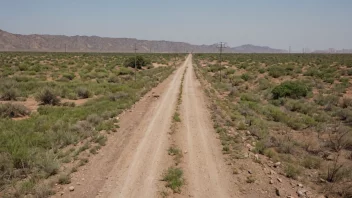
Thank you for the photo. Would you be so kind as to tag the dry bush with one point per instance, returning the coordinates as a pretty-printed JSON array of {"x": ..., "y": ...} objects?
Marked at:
[
  {"x": 9, "y": 94},
  {"x": 47, "y": 97},
  {"x": 83, "y": 92},
  {"x": 13, "y": 110},
  {"x": 340, "y": 137},
  {"x": 346, "y": 102},
  {"x": 312, "y": 162}
]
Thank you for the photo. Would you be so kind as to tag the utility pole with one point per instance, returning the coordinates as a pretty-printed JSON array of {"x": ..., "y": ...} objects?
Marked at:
[
  {"x": 65, "y": 48},
  {"x": 221, "y": 46},
  {"x": 135, "y": 62},
  {"x": 175, "y": 60}
]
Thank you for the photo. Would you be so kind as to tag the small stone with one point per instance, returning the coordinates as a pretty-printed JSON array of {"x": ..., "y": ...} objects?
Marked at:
[
  {"x": 117, "y": 118},
  {"x": 62, "y": 193},
  {"x": 71, "y": 188},
  {"x": 271, "y": 182},
  {"x": 280, "y": 180},
  {"x": 250, "y": 147},
  {"x": 277, "y": 192},
  {"x": 301, "y": 192},
  {"x": 300, "y": 185},
  {"x": 256, "y": 157},
  {"x": 272, "y": 172},
  {"x": 277, "y": 164},
  {"x": 249, "y": 171},
  {"x": 322, "y": 180},
  {"x": 330, "y": 157}
]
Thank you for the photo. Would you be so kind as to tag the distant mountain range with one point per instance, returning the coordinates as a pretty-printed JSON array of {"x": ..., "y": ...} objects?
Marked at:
[{"x": 61, "y": 43}]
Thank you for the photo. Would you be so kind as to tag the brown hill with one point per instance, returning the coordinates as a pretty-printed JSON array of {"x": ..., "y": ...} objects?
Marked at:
[{"x": 60, "y": 43}]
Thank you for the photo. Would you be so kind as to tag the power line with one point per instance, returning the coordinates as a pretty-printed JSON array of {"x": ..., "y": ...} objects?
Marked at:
[
  {"x": 221, "y": 46},
  {"x": 135, "y": 62}
]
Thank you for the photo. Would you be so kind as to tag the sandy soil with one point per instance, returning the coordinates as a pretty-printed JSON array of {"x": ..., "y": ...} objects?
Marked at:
[{"x": 206, "y": 172}]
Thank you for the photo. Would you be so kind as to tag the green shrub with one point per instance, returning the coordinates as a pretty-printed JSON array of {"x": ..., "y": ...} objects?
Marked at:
[
  {"x": 245, "y": 77},
  {"x": 139, "y": 61},
  {"x": 292, "y": 89},
  {"x": 47, "y": 97}
]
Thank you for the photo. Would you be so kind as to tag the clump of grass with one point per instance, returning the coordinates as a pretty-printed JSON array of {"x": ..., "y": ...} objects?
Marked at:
[
  {"x": 176, "y": 117},
  {"x": 100, "y": 139},
  {"x": 177, "y": 153},
  {"x": 174, "y": 179},
  {"x": 292, "y": 171},
  {"x": 271, "y": 153},
  {"x": 312, "y": 162},
  {"x": 44, "y": 190},
  {"x": 94, "y": 119},
  {"x": 250, "y": 179},
  {"x": 64, "y": 179},
  {"x": 83, "y": 161}
]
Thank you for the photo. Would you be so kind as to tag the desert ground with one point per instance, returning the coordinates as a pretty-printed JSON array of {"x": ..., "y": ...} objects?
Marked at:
[{"x": 261, "y": 125}]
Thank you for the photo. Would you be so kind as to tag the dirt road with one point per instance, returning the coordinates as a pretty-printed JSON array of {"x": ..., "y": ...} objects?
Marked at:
[
  {"x": 132, "y": 162},
  {"x": 205, "y": 170}
]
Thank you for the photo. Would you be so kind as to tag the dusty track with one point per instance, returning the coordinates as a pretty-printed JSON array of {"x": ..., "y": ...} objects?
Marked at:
[
  {"x": 206, "y": 172},
  {"x": 132, "y": 162}
]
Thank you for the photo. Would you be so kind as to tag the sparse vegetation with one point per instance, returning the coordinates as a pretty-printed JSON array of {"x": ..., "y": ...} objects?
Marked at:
[
  {"x": 294, "y": 109},
  {"x": 35, "y": 146},
  {"x": 174, "y": 179}
]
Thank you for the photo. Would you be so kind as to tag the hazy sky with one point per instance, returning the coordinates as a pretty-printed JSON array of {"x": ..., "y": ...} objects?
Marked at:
[{"x": 315, "y": 24}]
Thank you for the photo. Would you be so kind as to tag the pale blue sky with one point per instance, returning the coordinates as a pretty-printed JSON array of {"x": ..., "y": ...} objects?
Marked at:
[{"x": 316, "y": 24}]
